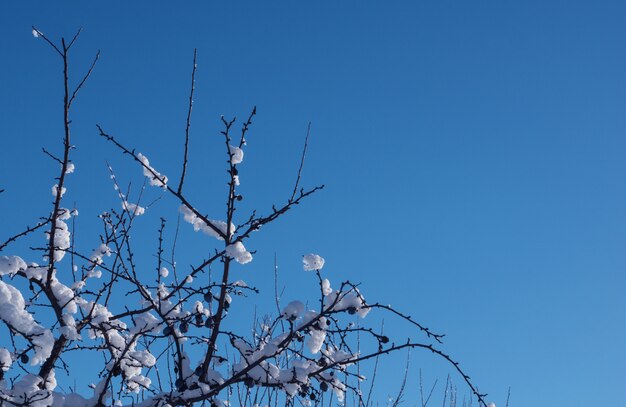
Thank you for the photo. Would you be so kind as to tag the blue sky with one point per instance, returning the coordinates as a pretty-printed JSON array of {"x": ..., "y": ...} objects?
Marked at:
[{"x": 473, "y": 157}]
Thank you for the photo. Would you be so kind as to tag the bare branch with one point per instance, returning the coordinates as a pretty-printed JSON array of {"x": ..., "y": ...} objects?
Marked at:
[
  {"x": 306, "y": 144},
  {"x": 87, "y": 75},
  {"x": 193, "y": 86},
  {"x": 28, "y": 230}
]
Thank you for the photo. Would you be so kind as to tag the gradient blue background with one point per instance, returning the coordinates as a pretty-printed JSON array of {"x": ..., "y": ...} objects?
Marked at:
[{"x": 473, "y": 155}]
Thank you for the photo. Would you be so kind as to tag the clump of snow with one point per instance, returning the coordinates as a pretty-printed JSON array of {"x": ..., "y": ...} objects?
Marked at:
[
  {"x": 338, "y": 356},
  {"x": 238, "y": 252},
  {"x": 164, "y": 272},
  {"x": 34, "y": 272},
  {"x": 156, "y": 178},
  {"x": 293, "y": 310},
  {"x": 94, "y": 274},
  {"x": 28, "y": 389},
  {"x": 64, "y": 295},
  {"x": 146, "y": 323},
  {"x": 491, "y": 405},
  {"x": 133, "y": 209},
  {"x": 317, "y": 332},
  {"x": 326, "y": 290},
  {"x": 351, "y": 301},
  {"x": 70, "y": 168},
  {"x": 61, "y": 236},
  {"x": 55, "y": 190},
  {"x": 14, "y": 314},
  {"x": 11, "y": 265},
  {"x": 236, "y": 154},
  {"x": 64, "y": 214},
  {"x": 200, "y": 225},
  {"x": 99, "y": 253},
  {"x": 340, "y": 390},
  {"x": 69, "y": 330},
  {"x": 35, "y": 33},
  {"x": 312, "y": 262},
  {"x": 5, "y": 359}
]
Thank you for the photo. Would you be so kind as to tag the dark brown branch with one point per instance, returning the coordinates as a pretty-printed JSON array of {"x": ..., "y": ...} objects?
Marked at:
[
  {"x": 193, "y": 86},
  {"x": 40, "y": 34},
  {"x": 411, "y": 345},
  {"x": 428, "y": 332},
  {"x": 24, "y": 233},
  {"x": 49, "y": 154},
  {"x": 87, "y": 75},
  {"x": 246, "y": 127},
  {"x": 306, "y": 144},
  {"x": 180, "y": 197},
  {"x": 74, "y": 38}
]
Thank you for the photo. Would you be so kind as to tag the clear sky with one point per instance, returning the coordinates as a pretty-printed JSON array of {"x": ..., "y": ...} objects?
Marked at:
[{"x": 473, "y": 155}]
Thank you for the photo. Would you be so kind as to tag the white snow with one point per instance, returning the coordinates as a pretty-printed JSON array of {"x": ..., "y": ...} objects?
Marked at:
[
  {"x": 11, "y": 265},
  {"x": 200, "y": 225},
  {"x": 312, "y": 262},
  {"x": 14, "y": 314},
  {"x": 69, "y": 330},
  {"x": 55, "y": 190},
  {"x": 238, "y": 252},
  {"x": 326, "y": 289},
  {"x": 64, "y": 295},
  {"x": 61, "y": 234},
  {"x": 99, "y": 253},
  {"x": 147, "y": 323},
  {"x": 316, "y": 336},
  {"x": 236, "y": 154},
  {"x": 240, "y": 283},
  {"x": 156, "y": 178},
  {"x": 346, "y": 300},
  {"x": 5, "y": 359},
  {"x": 27, "y": 389},
  {"x": 133, "y": 209},
  {"x": 293, "y": 310},
  {"x": 340, "y": 390}
]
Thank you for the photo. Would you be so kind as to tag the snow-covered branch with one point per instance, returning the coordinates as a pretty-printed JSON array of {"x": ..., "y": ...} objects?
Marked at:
[{"x": 163, "y": 337}]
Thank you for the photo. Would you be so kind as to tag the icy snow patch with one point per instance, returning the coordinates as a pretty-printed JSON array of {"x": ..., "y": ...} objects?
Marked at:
[
  {"x": 312, "y": 262},
  {"x": 236, "y": 154},
  {"x": 293, "y": 310},
  {"x": 199, "y": 224},
  {"x": 155, "y": 177},
  {"x": 238, "y": 252},
  {"x": 5, "y": 359},
  {"x": 14, "y": 314},
  {"x": 133, "y": 209},
  {"x": 11, "y": 265}
]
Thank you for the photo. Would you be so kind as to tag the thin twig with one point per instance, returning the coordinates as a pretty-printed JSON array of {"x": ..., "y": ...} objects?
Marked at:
[
  {"x": 40, "y": 34},
  {"x": 432, "y": 389},
  {"x": 403, "y": 385},
  {"x": 306, "y": 144},
  {"x": 193, "y": 86},
  {"x": 74, "y": 38},
  {"x": 87, "y": 75},
  {"x": 28, "y": 230}
]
